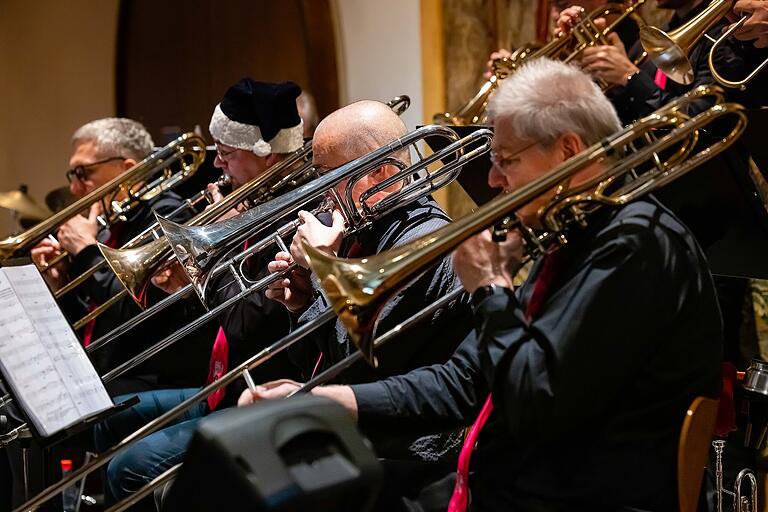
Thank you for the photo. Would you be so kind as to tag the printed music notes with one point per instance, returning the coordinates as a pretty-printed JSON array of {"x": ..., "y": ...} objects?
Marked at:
[{"x": 41, "y": 358}]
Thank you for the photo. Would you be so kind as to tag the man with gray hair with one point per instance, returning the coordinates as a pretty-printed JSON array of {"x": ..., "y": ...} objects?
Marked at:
[
  {"x": 101, "y": 151},
  {"x": 591, "y": 363}
]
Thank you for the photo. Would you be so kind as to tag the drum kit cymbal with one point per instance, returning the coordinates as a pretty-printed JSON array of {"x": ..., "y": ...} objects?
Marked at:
[{"x": 27, "y": 211}]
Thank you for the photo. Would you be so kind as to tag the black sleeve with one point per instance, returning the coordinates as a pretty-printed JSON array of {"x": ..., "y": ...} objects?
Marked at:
[
  {"x": 104, "y": 283},
  {"x": 252, "y": 323},
  {"x": 551, "y": 376},
  {"x": 428, "y": 399},
  {"x": 642, "y": 96}
]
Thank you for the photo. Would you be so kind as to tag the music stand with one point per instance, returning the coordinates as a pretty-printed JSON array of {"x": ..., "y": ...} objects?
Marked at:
[
  {"x": 62, "y": 361},
  {"x": 473, "y": 177}
]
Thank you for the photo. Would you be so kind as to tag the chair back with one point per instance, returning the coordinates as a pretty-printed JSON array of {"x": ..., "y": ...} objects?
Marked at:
[{"x": 693, "y": 450}]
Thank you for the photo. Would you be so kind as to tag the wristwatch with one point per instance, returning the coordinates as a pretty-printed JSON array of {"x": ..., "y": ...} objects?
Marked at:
[{"x": 482, "y": 293}]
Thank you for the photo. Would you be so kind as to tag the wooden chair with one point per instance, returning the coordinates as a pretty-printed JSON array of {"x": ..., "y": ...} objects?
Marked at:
[{"x": 693, "y": 450}]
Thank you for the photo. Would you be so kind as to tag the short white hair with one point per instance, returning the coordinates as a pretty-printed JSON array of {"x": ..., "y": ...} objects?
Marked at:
[
  {"x": 546, "y": 99},
  {"x": 116, "y": 136}
]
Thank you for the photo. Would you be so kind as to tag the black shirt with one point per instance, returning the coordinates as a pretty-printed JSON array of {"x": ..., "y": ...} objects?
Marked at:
[
  {"x": 164, "y": 368},
  {"x": 590, "y": 396},
  {"x": 642, "y": 95}
]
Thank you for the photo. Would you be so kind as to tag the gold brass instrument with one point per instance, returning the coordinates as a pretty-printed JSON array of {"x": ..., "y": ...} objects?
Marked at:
[
  {"x": 454, "y": 156},
  {"x": 670, "y": 51},
  {"x": 359, "y": 288},
  {"x": 741, "y": 503},
  {"x": 198, "y": 249},
  {"x": 565, "y": 47},
  {"x": 189, "y": 150},
  {"x": 135, "y": 266}
]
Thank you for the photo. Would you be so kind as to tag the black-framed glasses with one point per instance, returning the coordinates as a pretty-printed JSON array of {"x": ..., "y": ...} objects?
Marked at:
[{"x": 81, "y": 171}]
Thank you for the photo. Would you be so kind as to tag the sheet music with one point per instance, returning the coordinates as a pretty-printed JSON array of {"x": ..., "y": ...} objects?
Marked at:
[{"x": 42, "y": 358}]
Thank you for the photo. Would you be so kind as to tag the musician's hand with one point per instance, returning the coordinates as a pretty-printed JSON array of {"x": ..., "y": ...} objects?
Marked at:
[
  {"x": 45, "y": 252},
  {"x": 293, "y": 291},
  {"x": 318, "y": 235},
  {"x": 609, "y": 63},
  {"x": 79, "y": 232},
  {"x": 216, "y": 196},
  {"x": 501, "y": 53},
  {"x": 569, "y": 18},
  {"x": 269, "y": 391},
  {"x": 480, "y": 261},
  {"x": 284, "y": 387},
  {"x": 756, "y": 26},
  {"x": 171, "y": 279}
]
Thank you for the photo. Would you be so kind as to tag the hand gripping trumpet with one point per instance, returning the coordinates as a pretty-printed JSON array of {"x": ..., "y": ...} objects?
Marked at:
[
  {"x": 358, "y": 289},
  {"x": 454, "y": 156}
]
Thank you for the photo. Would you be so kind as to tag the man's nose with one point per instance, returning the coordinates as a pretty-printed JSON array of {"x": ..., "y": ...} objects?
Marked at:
[
  {"x": 219, "y": 162},
  {"x": 496, "y": 178}
]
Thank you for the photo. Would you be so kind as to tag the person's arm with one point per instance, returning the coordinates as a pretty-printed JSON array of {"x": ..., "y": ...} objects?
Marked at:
[
  {"x": 641, "y": 95},
  {"x": 428, "y": 399},
  {"x": 551, "y": 377}
]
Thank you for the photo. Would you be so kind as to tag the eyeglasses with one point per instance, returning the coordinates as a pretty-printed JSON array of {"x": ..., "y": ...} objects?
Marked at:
[
  {"x": 224, "y": 155},
  {"x": 81, "y": 171},
  {"x": 504, "y": 162}
]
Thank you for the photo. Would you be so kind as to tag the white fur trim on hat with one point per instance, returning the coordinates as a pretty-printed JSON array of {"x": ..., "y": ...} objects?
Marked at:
[{"x": 248, "y": 137}]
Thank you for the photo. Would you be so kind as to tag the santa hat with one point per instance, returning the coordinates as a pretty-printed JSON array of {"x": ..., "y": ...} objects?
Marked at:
[{"x": 260, "y": 117}]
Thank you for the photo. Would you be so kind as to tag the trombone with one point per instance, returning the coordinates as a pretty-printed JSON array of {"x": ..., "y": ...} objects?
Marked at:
[
  {"x": 457, "y": 152},
  {"x": 670, "y": 51},
  {"x": 683, "y": 132},
  {"x": 188, "y": 149},
  {"x": 358, "y": 289},
  {"x": 134, "y": 266},
  {"x": 565, "y": 47}
]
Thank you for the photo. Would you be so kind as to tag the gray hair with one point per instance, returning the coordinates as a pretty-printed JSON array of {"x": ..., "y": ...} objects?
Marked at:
[
  {"x": 117, "y": 136},
  {"x": 546, "y": 99}
]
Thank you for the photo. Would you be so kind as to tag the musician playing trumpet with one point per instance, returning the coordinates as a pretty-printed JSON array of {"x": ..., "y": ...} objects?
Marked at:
[{"x": 582, "y": 377}]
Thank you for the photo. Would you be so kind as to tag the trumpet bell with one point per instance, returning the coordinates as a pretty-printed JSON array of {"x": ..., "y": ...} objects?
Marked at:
[{"x": 667, "y": 55}]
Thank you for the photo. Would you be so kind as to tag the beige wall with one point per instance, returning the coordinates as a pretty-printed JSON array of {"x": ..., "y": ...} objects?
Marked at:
[{"x": 57, "y": 60}]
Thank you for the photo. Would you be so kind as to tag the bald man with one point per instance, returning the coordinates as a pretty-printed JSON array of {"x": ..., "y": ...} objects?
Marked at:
[{"x": 345, "y": 135}]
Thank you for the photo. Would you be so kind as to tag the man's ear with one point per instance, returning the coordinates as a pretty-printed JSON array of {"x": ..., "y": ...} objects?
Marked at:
[
  {"x": 128, "y": 163},
  {"x": 570, "y": 145}
]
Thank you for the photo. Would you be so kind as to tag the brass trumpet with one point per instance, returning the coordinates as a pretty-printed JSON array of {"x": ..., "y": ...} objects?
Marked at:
[
  {"x": 359, "y": 288},
  {"x": 189, "y": 150},
  {"x": 565, "y": 47},
  {"x": 670, "y": 51}
]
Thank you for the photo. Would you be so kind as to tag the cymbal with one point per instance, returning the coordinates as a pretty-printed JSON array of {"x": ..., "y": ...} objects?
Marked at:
[
  {"x": 23, "y": 204},
  {"x": 59, "y": 198}
]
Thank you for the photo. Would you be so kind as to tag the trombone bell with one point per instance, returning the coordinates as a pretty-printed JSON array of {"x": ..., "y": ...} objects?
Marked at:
[
  {"x": 667, "y": 54},
  {"x": 670, "y": 51}
]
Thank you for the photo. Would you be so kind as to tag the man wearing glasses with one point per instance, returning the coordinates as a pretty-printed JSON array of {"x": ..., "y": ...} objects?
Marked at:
[
  {"x": 102, "y": 150},
  {"x": 255, "y": 126}
]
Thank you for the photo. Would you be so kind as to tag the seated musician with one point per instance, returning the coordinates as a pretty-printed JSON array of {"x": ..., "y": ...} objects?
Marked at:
[
  {"x": 102, "y": 150},
  {"x": 255, "y": 126},
  {"x": 351, "y": 132},
  {"x": 592, "y": 363},
  {"x": 638, "y": 90}
]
